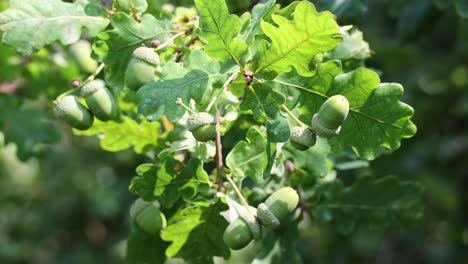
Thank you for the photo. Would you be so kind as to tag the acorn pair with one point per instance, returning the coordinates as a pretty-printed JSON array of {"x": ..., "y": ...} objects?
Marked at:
[
  {"x": 269, "y": 214},
  {"x": 326, "y": 123},
  {"x": 100, "y": 101}
]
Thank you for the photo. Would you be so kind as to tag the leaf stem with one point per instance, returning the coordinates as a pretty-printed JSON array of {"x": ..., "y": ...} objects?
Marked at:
[
  {"x": 181, "y": 103},
  {"x": 238, "y": 192},
  {"x": 170, "y": 40},
  {"x": 285, "y": 108},
  {"x": 225, "y": 85}
]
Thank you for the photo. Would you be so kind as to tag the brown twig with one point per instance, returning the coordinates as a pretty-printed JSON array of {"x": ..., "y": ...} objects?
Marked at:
[{"x": 219, "y": 154}]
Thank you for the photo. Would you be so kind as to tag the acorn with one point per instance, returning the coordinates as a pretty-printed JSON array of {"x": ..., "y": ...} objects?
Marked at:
[
  {"x": 69, "y": 109},
  {"x": 277, "y": 207},
  {"x": 302, "y": 138},
  {"x": 142, "y": 68},
  {"x": 237, "y": 235},
  {"x": 202, "y": 125},
  {"x": 147, "y": 216},
  {"x": 328, "y": 120},
  {"x": 81, "y": 52},
  {"x": 100, "y": 100}
]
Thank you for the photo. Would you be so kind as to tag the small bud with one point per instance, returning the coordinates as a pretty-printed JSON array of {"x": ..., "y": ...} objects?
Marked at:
[
  {"x": 75, "y": 84},
  {"x": 155, "y": 43}
]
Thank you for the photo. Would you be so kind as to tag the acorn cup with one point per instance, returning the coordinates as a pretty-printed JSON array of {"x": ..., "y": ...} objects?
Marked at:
[
  {"x": 81, "y": 52},
  {"x": 202, "y": 125},
  {"x": 147, "y": 216},
  {"x": 142, "y": 68},
  {"x": 328, "y": 120},
  {"x": 70, "y": 110},
  {"x": 302, "y": 138},
  {"x": 277, "y": 207},
  {"x": 100, "y": 100}
]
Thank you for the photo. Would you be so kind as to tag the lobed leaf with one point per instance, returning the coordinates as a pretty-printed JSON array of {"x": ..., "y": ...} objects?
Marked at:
[
  {"x": 247, "y": 158},
  {"x": 295, "y": 43},
  {"x": 196, "y": 233},
  {"x": 145, "y": 248},
  {"x": 219, "y": 30},
  {"x": 117, "y": 136},
  {"x": 30, "y": 25},
  {"x": 372, "y": 203}
]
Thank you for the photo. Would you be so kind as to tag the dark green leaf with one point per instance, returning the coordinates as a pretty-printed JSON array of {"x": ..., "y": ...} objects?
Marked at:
[
  {"x": 30, "y": 25},
  {"x": 369, "y": 203},
  {"x": 144, "y": 248}
]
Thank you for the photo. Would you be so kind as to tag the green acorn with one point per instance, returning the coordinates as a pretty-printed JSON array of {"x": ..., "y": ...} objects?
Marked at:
[
  {"x": 237, "y": 235},
  {"x": 69, "y": 109},
  {"x": 278, "y": 205},
  {"x": 147, "y": 216},
  {"x": 100, "y": 100},
  {"x": 202, "y": 125},
  {"x": 81, "y": 52},
  {"x": 302, "y": 138},
  {"x": 327, "y": 121},
  {"x": 142, "y": 68}
]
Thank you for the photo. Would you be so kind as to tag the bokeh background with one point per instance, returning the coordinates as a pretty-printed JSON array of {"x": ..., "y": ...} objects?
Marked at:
[{"x": 68, "y": 202}]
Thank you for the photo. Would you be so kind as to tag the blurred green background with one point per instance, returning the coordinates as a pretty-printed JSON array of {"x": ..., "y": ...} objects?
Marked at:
[{"x": 67, "y": 201}]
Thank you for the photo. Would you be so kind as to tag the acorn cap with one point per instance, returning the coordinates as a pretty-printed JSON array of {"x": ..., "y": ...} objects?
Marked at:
[
  {"x": 66, "y": 105},
  {"x": 146, "y": 54},
  {"x": 266, "y": 217},
  {"x": 303, "y": 136},
  {"x": 323, "y": 131},
  {"x": 138, "y": 206},
  {"x": 200, "y": 119},
  {"x": 92, "y": 86}
]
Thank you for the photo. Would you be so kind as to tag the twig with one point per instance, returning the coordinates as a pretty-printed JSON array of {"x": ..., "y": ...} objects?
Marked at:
[
  {"x": 219, "y": 154},
  {"x": 90, "y": 78},
  {"x": 239, "y": 194},
  {"x": 170, "y": 40},
  {"x": 225, "y": 85},
  {"x": 285, "y": 108}
]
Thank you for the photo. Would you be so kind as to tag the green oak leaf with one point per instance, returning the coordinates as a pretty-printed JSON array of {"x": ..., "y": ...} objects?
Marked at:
[
  {"x": 247, "y": 158},
  {"x": 352, "y": 47},
  {"x": 278, "y": 129},
  {"x": 159, "y": 97},
  {"x": 128, "y": 6},
  {"x": 145, "y": 248},
  {"x": 262, "y": 100},
  {"x": 118, "y": 44},
  {"x": 171, "y": 185},
  {"x": 295, "y": 43},
  {"x": 126, "y": 133},
  {"x": 376, "y": 117},
  {"x": 196, "y": 232},
  {"x": 310, "y": 164},
  {"x": 28, "y": 127},
  {"x": 372, "y": 203},
  {"x": 143, "y": 184},
  {"x": 219, "y": 30},
  {"x": 259, "y": 12},
  {"x": 30, "y": 25}
]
